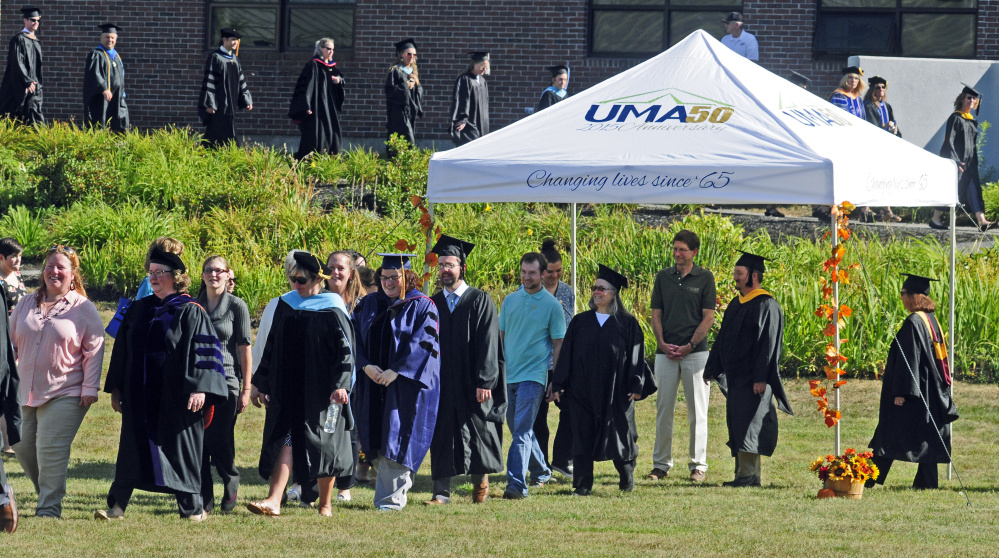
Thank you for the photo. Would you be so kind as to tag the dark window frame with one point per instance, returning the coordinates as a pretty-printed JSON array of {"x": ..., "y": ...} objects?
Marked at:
[
  {"x": 282, "y": 30},
  {"x": 897, "y": 11},
  {"x": 665, "y": 7}
]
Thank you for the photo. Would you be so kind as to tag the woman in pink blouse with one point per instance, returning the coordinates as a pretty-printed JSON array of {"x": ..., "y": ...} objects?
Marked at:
[{"x": 59, "y": 341}]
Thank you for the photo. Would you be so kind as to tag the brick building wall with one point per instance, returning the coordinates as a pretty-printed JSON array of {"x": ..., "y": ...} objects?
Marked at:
[{"x": 164, "y": 48}]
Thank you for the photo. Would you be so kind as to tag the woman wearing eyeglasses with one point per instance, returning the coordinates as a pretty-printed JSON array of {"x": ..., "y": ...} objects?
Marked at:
[
  {"x": 165, "y": 377},
  {"x": 398, "y": 392},
  {"x": 304, "y": 370},
  {"x": 231, "y": 319},
  {"x": 601, "y": 374},
  {"x": 403, "y": 93},
  {"x": 59, "y": 342},
  {"x": 317, "y": 101}
]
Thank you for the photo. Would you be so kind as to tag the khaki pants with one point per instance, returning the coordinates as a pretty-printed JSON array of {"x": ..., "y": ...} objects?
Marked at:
[
  {"x": 747, "y": 465},
  {"x": 47, "y": 434},
  {"x": 669, "y": 375}
]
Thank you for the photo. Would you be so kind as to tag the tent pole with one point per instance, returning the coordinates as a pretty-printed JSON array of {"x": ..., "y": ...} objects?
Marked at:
[
  {"x": 834, "y": 227},
  {"x": 573, "y": 248},
  {"x": 950, "y": 325},
  {"x": 426, "y": 266}
]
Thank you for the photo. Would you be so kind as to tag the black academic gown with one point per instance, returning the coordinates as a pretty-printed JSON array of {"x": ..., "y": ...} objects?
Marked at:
[
  {"x": 548, "y": 98},
  {"x": 469, "y": 105},
  {"x": 747, "y": 351},
  {"x": 873, "y": 112},
  {"x": 102, "y": 74},
  {"x": 10, "y": 406},
  {"x": 905, "y": 432},
  {"x": 165, "y": 351},
  {"x": 468, "y": 436},
  {"x": 315, "y": 91},
  {"x": 307, "y": 356},
  {"x": 223, "y": 90},
  {"x": 597, "y": 368},
  {"x": 403, "y": 105},
  {"x": 24, "y": 66},
  {"x": 960, "y": 145}
]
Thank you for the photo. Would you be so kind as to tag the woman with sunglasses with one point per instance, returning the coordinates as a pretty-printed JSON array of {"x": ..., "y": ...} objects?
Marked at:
[
  {"x": 165, "y": 377},
  {"x": 398, "y": 392},
  {"x": 601, "y": 374},
  {"x": 231, "y": 319},
  {"x": 58, "y": 338},
  {"x": 304, "y": 373},
  {"x": 317, "y": 101},
  {"x": 880, "y": 113},
  {"x": 403, "y": 93}
]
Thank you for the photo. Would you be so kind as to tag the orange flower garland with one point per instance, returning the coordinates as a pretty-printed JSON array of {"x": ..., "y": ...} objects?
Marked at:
[
  {"x": 426, "y": 227},
  {"x": 834, "y": 315}
]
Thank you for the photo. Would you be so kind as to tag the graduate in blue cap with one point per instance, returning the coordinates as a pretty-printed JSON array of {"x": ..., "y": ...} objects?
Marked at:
[{"x": 398, "y": 393}]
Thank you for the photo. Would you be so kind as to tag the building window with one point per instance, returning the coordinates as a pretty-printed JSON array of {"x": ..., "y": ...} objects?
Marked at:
[
  {"x": 641, "y": 28},
  {"x": 283, "y": 24},
  {"x": 915, "y": 28}
]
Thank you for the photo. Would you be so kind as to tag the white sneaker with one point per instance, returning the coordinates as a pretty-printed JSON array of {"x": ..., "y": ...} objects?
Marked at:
[
  {"x": 294, "y": 495},
  {"x": 343, "y": 497}
]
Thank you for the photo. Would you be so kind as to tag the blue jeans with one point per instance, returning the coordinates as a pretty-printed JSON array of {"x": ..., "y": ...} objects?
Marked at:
[{"x": 523, "y": 400}]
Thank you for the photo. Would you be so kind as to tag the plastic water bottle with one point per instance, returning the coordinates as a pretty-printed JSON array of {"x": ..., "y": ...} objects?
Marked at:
[{"x": 332, "y": 414}]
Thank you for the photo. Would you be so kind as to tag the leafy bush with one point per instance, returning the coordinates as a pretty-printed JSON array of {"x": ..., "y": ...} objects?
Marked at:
[{"x": 28, "y": 229}]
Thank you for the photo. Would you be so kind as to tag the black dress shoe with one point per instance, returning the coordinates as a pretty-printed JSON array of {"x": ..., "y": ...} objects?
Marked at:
[
  {"x": 937, "y": 226},
  {"x": 987, "y": 226},
  {"x": 582, "y": 492},
  {"x": 743, "y": 481}
]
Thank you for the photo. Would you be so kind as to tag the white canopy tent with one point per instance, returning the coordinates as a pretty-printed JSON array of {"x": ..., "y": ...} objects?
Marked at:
[{"x": 695, "y": 124}]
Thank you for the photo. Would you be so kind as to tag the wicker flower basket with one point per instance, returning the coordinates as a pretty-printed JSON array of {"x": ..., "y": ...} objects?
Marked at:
[{"x": 846, "y": 489}]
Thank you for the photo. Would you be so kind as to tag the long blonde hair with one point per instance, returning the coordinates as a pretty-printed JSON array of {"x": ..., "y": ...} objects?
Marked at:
[
  {"x": 861, "y": 86},
  {"x": 399, "y": 62},
  {"x": 354, "y": 289},
  {"x": 74, "y": 262}
]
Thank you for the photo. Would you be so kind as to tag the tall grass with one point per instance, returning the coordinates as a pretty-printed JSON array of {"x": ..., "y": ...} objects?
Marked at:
[{"x": 118, "y": 192}]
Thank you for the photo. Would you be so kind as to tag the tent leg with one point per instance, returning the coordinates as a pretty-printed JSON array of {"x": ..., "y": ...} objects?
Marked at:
[
  {"x": 573, "y": 249},
  {"x": 952, "y": 305},
  {"x": 430, "y": 244},
  {"x": 834, "y": 227}
]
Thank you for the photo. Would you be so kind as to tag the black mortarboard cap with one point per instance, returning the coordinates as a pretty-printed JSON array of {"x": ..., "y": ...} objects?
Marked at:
[
  {"x": 616, "y": 280},
  {"x": 479, "y": 55},
  {"x": 733, "y": 16},
  {"x": 450, "y": 246},
  {"x": 799, "y": 79},
  {"x": 558, "y": 70},
  {"x": 309, "y": 262},
  {"x": 852, "y": 70},
  {"x": 29, "y": 12},
  {"x": 916, "y": 284},
  {"x": 405, "y": 43},
  {"x": 969, "y": 90},
  {"x": 877, "y": 79},
  {"x": 229, "y": 32},
  {"x": 752, "y": 261},
  {"x": 162, "y": 257},
  {"x": 396, "y": 261},
  {"x": 110, "y": 28}
]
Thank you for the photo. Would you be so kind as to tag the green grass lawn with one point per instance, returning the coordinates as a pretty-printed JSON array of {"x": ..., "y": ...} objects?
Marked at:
[{"x": 666, "y": 518}]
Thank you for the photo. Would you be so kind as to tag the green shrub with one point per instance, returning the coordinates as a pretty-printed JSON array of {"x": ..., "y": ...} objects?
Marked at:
[{"x": 28, "y": 229}]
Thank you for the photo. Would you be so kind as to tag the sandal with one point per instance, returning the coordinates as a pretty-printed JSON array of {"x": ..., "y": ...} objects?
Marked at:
[
  {"x": 890, "y": 217},
  {"x": 263, "y": 508}
]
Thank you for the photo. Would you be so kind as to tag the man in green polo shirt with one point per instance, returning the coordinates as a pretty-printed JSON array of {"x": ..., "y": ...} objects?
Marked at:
[{"x": 683, "y": 310}]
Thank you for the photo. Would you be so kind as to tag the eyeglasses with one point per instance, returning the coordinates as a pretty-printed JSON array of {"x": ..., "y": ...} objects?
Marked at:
[
  {"x": 215, "y": 271},
  {"x": 159, "y": 273},
  {"x": 599, "y": 289},
  {"x": 681, "y": 250},
  {"x": 389, "y": 278},
  {"x": 447, "y": 266},
  {"x": 298, "y": 280},
  {"x": 63, "y": 247},
  {"x": 880, "y": 87}
]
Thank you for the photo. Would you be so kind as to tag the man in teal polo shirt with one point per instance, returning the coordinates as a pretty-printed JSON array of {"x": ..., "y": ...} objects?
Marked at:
[{"x": 532, "y": 325}]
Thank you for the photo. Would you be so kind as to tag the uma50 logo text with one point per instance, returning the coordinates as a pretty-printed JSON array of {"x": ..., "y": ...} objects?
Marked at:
[{"x": 663, "y": 109}]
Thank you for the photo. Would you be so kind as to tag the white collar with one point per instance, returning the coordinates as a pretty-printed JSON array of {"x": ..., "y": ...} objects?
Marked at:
[
  {"x": 459, "y": 291},
  {"x": 222, "y": 48}
]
